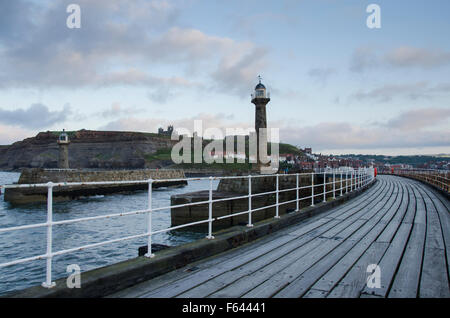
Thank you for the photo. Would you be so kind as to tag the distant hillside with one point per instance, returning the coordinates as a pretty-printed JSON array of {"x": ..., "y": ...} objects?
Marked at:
[
  {"x": 88, "y": 149},
  {"x": 410, "y": 160},
  {"x": 105, "y": 150}
]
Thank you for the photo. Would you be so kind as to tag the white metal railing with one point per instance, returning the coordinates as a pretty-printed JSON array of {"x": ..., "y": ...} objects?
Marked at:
[
  {"x": 348, "y": 181},
  {"x": 439, "y": 178}
]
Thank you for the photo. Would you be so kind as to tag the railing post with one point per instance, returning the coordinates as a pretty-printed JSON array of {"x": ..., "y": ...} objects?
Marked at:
[
  {"x": 312, "y": 188},
  {"x": 351, "y": 181},
  {"x": 210, "y": 236},
  {"x": 341, "y": 183},
  {"x": 297, "y": 202},
  {"x": 324, "y": 186},
  {"x": 357, "y": 179},
  {"x": 250, "y": 224},
  {"x": 334, "y": 184},
  {"x": 48, "y": 277},
  {"x": 277, "y": 212},
  {"x": 360, "y": 179},
  {"x": 346, "y": 181},
  {"x": 149, "y": 253},
  {"x": 277, "y": 198}
]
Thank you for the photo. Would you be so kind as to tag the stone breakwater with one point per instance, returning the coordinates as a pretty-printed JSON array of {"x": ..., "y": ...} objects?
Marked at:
[
  {"x": 39, "y": 194},
  {"x": 229, "y": 188}
]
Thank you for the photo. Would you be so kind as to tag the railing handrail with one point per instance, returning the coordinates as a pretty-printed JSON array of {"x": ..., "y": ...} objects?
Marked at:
[
  {"x": 430, "y": 176},
  {"x": 358, "y": 178}
]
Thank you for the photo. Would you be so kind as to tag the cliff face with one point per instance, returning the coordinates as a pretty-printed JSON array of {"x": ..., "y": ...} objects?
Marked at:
[{"x": 87, "y": 149}]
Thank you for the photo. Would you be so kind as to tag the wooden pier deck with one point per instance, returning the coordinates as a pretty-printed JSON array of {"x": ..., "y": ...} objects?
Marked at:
[{"x": 401, "y": 225}]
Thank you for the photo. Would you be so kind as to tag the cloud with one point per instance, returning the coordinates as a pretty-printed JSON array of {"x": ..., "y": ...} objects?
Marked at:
[
  {"x": 10, "y": 134},
  {"x": 362, "y": 59},
  {"x": 419, "y": 118},
  {"x": 35, "y": 117},
  {"x": 411, "y": 91},
  {"x": 321, "y": 74},
  {"x": 121, "y": 44},
  {"x": 250, "y": 23},
  {"x": 365, "y": 58},
  {"x": 343, "y": 135},
  {"x": 116, "y": 110},
  {"x": 420, "y": 128},
  {"x": 417, "y": 57},
  {"x": 220, "y": 121}
]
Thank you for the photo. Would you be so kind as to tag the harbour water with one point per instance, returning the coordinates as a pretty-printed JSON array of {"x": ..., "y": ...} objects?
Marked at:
[{"x": 31, "y": 242}]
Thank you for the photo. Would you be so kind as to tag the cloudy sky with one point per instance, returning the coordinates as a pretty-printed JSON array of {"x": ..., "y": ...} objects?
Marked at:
[{"x": 336, "y": 85}]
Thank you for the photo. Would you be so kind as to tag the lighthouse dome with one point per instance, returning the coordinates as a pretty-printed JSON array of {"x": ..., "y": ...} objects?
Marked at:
[{"x": 260, "y": 86}]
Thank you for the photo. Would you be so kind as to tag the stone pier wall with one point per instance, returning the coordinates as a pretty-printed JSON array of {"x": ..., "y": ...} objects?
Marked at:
[
  {"x": 47, "y": 175},
  {"x": 39, "y": 194}
]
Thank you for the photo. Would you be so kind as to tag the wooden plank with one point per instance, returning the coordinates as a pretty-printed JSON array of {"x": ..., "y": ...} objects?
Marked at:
[
  {"x": 258, "y": 265},
  {"x": 363, "y": 237},
  {"x": 300, "y": 285},
  {"x": 255, "y": 255},
  {"x": 410, "y": 213},
  {"x": 308, "y": 227},
  {"x": 406, "y": 280},
  {"x": 402, "y": 205},
  {"x": 391, "y": 260},
  {"x": 334, "y": 275},
  {"x": 324, "y": 218},
  {"x": 434, "y": 232},
  {"x": 421, "y": 215},
  {"x": 226, "y": 278},
  {"x": 434, "y": 280},
  {"x": 444, "y": 218},
  {"x": 355, "y": 281},
  {"x": 239, "y": 284},
  {"x": 333, "y": 213},
  {"x": 383, "y": 192},
  {"x": 267, "y": 243},
  {"x": 282, "y": 278},
  {"x": 288, "y": 277},
  {"x": 271, "y": 281},
  {"x": 393, "y": 226},
  {"x": 315, "y": 293}
]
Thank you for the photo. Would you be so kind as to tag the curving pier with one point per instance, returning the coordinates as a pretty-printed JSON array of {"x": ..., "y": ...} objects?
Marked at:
[{"x": 399, "y": 224}]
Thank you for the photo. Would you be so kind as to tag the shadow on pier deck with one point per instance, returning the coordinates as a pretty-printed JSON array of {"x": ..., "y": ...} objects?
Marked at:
[{"x": 401, "y": 225}]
